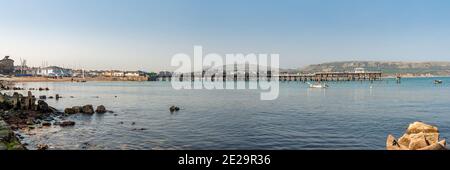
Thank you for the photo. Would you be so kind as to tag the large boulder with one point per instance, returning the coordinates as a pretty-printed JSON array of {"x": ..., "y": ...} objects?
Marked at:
[
  {"x": 77, "y": 109},
  {"x": 417, "y": 141},
  {"x": 418, "y": 136},
  {"x": 418, "y": 127},
  {"x": 43, "y": 107},
  {"x": 88, "y": 109},
  {"x": 392, "y": 143},
  {"x": 436, "y": 146},
  {"x": 100, "y": 109},
  {"x": 69, "y": 111}
]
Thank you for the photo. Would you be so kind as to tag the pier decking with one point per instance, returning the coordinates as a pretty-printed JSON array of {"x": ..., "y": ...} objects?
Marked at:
[
  {"x": 320, "y": 76},
  {"x": 332, "y": 76}
]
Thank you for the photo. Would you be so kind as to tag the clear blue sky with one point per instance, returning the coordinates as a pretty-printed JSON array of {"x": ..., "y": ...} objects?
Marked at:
[{"x": 145, "y": 34}]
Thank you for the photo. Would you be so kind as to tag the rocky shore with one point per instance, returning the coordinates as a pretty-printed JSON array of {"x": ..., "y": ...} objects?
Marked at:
[
  {"x": 8, "y": 140},
  {"x": 22, "y": 112},
  {"x": 19, "y": 112}
]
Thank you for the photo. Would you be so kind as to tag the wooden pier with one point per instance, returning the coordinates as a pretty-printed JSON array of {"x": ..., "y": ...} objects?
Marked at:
[
  {"x": 332, "y": 76},
  {"x": 320, "y": 76}
]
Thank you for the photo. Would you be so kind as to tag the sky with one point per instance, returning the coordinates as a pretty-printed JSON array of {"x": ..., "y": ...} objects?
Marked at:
[{"x": 145, "y": 34}]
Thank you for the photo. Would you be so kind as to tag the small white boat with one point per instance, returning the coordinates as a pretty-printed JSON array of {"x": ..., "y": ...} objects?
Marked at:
[{"x": 318, "y": 85}]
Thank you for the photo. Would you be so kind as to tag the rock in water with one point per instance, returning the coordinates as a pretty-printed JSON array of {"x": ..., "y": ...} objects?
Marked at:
[
  {"x": 43, "y": 107},
  {"x": 437, "y": 146},
  {"x": 100, "y": 109},
  {"x": 67, "y": 123},
  {"x": 77, "y": 109},
  {"x": 417, "y": 141},
  {"x": 69, "y": 111},
  {"x": 418, "y": 127},
  {"x": 418, "y": 136},
  {"x": 88, "y": 109},
  {"x": 174, "y": 109},
  {"x": 42, "y": 147}
]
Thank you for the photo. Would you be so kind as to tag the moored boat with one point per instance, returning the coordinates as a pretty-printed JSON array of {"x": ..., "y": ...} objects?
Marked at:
[
  {"x": 438, "y": 81},
  {"x": 318, "y": 85}
]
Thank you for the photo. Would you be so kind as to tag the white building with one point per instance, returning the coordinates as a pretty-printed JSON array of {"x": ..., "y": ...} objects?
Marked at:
[
  {"x": 118, "y": 74},
  {"x": 132, "y": 74},
  {"x": 54, "y": 71}
]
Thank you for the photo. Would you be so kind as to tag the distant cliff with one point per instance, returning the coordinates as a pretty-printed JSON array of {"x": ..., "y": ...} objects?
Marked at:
[{"x": 388, "y": 68}]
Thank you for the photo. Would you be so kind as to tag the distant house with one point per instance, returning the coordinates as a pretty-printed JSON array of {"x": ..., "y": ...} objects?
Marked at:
[
  {"x": 132, "y": 74},
  {"x": 135, "y": 73},
  {"x": 94, "y": 73},
  {"x": 6, "y": 65},
  {"x": 54, "y": 71},
  {"x": 118, "y": 74},
  {"x": 24, "y": 71},
  {"x": 107, "y": 73},
  {"x": 77, "y": 73}
]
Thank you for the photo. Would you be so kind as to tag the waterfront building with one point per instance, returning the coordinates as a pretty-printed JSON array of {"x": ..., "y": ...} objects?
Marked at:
[
  {"x": 93, "y": 73},
  {"x": 118, "y": 74},
  {"x": 136, "y": 74},
  {"x": 6, "y": 66},
  {"x": 132, "y": 74},
  {"x": 54, "y": 71},
  {"x": 107, "y": 73}
]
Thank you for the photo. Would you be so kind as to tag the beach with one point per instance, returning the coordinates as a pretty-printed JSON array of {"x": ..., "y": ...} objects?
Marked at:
[{"x": 73, "y": 79}]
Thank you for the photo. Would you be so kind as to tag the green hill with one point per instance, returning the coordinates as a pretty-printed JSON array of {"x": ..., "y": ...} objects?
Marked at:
[{"x": 416, "y": 68}]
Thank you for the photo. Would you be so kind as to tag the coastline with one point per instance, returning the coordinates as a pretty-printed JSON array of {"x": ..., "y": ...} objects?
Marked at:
[
  {"x": 408, "y": 76},
  {"x": 24, "y": 112},
  {"x": 70, "y": 79},
  {"x": 20, "y": 111},
  {"x": 141, "y": 79}
]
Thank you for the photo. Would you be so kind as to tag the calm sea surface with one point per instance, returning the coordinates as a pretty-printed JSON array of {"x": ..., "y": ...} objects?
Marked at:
[{"x": 348, "y": 115}]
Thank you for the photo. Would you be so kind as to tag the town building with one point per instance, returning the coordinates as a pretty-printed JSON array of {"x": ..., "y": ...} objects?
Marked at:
[
  {"x": 118, "y": 74},
  {"x": 6, "y": 66},
  {"x": 107, "y": 73},
  {"x": 135, "y": 74},
  {"x": 54, "y": 71},
  {"x": 132, "y": 74}
]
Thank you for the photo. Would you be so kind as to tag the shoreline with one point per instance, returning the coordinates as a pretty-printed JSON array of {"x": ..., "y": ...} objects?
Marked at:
[
  {"x": 112, "y": 79},
  {"x": 24, "y": 112},
  {"x": 19, "y": 112},
  {"x": 393, "y": 77},
  {"x": 70, "y": 79}
]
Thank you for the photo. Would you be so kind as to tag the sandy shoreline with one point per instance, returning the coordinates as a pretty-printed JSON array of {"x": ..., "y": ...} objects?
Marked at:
[{"x": 67, "y": 79}]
